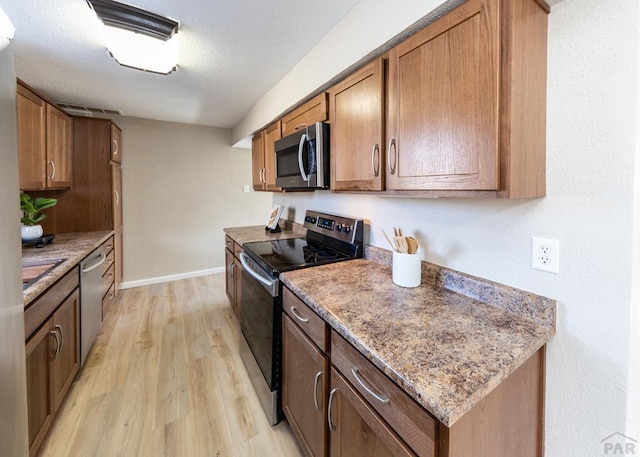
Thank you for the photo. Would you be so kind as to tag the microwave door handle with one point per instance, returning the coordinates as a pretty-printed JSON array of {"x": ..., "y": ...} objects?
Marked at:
[{"x": 303, "y": 138}]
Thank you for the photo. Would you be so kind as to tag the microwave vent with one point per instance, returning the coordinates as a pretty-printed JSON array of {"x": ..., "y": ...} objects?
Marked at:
[{"x": 86, "y": 111}]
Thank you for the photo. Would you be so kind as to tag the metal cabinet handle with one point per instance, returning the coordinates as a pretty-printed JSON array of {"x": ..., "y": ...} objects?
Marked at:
[
  {"x": 381, "y": 398},
  {"x": 315, "y": 390},
  {"x": 232, "y": 270},
  {"x": 59, "y": 327},
  {"x": 300, "y": 127},
  {"x": 117, "y": 197},
  {"x": 115, "y": 151},
  {"x": 332, "y": 427},
  {"x": 57, "y": 351},
  {"x": 298, "y": 316},
  {"x": 375, "y": 164},
  {"x": 53, "y": 170},
  {"x": 391, "y": 165}
]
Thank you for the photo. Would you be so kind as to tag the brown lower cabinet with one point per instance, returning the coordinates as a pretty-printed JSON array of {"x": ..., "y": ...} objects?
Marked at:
[
  {"x": 304, "y": 392},
  {"x": 359, "y": 411},
  {"x": 233, "y": 273},
  {"x": 53, "y": 360}
]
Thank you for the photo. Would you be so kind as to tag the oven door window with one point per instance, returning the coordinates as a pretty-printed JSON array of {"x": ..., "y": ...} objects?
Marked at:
[{"x": 258, "y": 311}]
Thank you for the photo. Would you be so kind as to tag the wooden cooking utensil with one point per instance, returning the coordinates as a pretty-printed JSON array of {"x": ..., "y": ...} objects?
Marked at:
[
  {"x": 412, "y": 245},
  {"x": 393, "y": 246}
]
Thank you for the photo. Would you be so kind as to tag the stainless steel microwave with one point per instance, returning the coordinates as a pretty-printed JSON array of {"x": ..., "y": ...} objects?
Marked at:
[{"x": 302, "y": 158}]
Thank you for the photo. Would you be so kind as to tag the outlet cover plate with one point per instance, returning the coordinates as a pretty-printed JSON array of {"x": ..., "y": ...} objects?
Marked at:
[{"x": 545, "y": 254}]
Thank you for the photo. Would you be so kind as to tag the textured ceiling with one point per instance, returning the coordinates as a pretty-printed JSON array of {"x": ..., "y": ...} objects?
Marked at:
[{"x": 231, "y": 54}]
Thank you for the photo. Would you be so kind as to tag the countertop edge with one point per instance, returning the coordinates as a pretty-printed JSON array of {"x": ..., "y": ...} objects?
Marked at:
[{"x": 91, "y": 240}]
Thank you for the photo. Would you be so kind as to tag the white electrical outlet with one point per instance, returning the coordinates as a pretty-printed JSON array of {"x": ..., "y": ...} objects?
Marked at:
[
  {"x": 545, "y": 254},
  {"x": 245, "y": 188}
]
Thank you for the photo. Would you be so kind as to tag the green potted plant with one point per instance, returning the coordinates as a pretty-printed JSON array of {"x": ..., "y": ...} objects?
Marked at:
[{"x": 32, "y": 214}]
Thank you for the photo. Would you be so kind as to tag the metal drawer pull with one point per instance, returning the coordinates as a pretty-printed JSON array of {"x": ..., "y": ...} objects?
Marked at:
[
  {"x": 115, "y": 151},
  {"x": 315, "y": 390},
  {"x": 332, "y": 427},
  {"x": 117, "y": 196},
  {"x": 379, "y": 397},
  {"x": 375, "y": 163},
  {"x": 59, "y": 327},
  {"x": 298, "y": 316},
  {"x": 391, "y": 165}
]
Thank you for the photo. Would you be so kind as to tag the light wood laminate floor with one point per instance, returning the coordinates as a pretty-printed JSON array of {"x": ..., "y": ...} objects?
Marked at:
[{"x": 164, "y": 378}]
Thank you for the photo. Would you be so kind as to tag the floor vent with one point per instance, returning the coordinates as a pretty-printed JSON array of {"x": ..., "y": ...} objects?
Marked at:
[{"x": 87, "y": 111}]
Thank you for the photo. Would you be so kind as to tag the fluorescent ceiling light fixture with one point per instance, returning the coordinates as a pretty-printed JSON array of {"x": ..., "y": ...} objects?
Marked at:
[
  {"x": 7, "y": 30},
  {"x": 137, "y": 38}
]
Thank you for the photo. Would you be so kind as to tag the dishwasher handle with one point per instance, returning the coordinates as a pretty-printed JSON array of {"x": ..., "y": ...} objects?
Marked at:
[{"x": 103, "y": 257}]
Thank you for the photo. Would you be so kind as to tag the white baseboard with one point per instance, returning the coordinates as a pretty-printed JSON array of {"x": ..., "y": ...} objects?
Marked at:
[{"x": 169, "y": 278}]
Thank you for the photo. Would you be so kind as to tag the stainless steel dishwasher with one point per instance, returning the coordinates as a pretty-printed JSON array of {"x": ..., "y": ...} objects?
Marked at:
[{"x": 90, "y": 300}]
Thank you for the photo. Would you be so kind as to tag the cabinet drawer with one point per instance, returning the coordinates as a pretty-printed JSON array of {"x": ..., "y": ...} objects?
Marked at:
[
  {"x": 413, "y": 423},
  {"x": 315, "y": 110},
  {"x": 40, "y": 309},
  {"x": 108, "y": 263},
  {"x": 107, "y": 279},
  {"x": 312, "y": 324},
  {"x": 107, "y": 300},
  {"x": 107, "y": 245},
  {"x": 228, "y": 243}
]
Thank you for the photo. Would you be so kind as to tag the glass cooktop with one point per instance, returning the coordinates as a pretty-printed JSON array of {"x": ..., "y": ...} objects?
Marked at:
[{"x": 289, "y": 254}]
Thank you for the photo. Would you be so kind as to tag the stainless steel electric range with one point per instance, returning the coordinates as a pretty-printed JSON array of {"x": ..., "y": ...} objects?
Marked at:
[{"x": 330, "y": 238}]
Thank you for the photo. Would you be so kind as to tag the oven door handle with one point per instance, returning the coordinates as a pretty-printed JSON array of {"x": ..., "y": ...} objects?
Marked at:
[{"x": 255, "y": 275}]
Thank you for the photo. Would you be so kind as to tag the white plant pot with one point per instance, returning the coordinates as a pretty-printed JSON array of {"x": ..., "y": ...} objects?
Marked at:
[{"x": 31, "y": 232}]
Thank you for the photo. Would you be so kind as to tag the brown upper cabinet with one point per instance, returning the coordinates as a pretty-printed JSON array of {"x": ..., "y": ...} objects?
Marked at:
[
  {"x": 467, "y": 102},
  {"x": 45, "y": 141},
  {"x": 357, "y": 130},
  {"x": 264, "y": 158},
  {"x": 310, "y": 112}
]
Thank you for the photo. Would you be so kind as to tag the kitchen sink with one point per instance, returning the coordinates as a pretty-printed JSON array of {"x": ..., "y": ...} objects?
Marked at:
[{"x": 33, "y": 270}]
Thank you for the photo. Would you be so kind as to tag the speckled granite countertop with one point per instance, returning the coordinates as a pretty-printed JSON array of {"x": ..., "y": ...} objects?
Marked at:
[
  {"x": 257, "y": 232},
  {"x": 447, "y": 343},
  {"x": 70, "y": 246}
]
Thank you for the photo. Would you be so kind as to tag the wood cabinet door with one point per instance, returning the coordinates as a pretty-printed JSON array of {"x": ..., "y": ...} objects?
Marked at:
[
  {"x": 116, "y": 186},
  {"x": 40, "y": 349},
  {"x": 357, "y": 136},
  {"x": 229, "y": 261},
  {"x": 271, "y": 135},
  {"x": 59, "y": 149},
  {"x": 257, "y": 160},
  {"x": 31, "y": 139},
  {"x": 304, "y": 381},
  {"x": 116, "y": 144},
  {"x": 356, "y": 430},
  {"x": 442, "y": 125},
  {"x": 66, "y": 322}
]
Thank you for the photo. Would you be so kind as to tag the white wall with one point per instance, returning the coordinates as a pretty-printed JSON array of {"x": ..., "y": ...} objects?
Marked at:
[
  {"x": 182, "y": 185},
  {"x": 592, "y": 157}
]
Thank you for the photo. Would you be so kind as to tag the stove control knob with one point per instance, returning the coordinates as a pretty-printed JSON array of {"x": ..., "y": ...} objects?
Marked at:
[
  {"x": 347, "y": 228},
  {"x": 339, "y": 227},
  {"x": 313, "y": 220}
]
